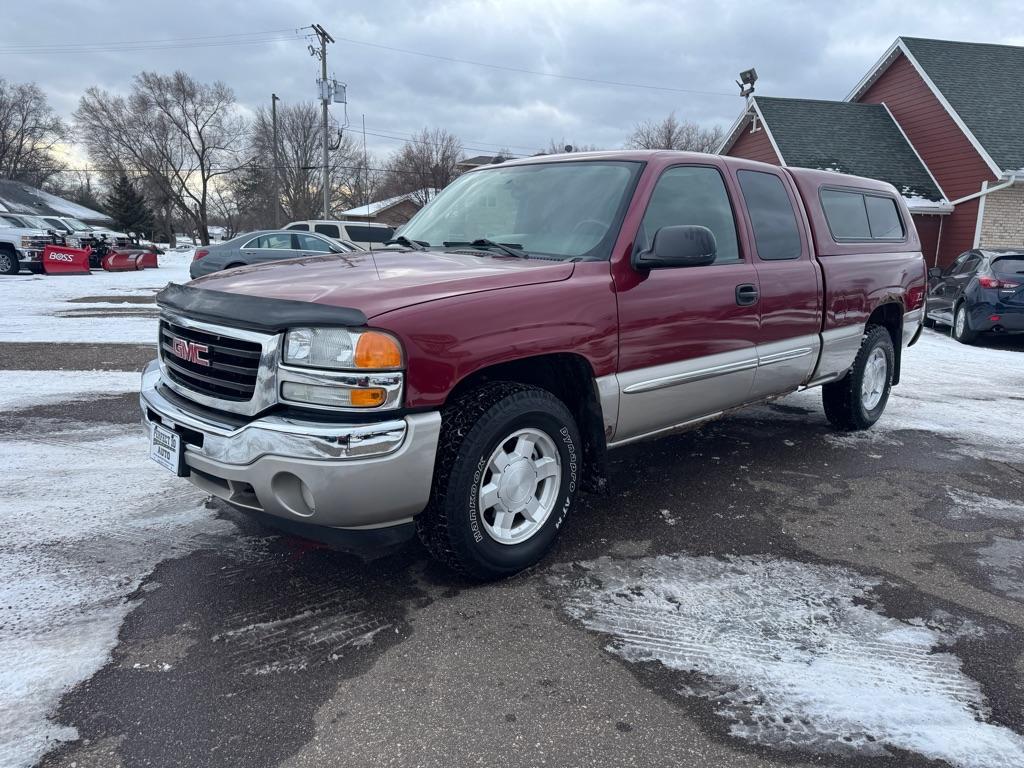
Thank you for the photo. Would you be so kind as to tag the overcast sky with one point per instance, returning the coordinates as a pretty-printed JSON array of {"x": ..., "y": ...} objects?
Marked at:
[{"x": 800, "y": 49}]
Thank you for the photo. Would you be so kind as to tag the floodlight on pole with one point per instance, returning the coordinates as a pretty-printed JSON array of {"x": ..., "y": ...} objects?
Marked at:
[{"x": 746, "y": 82}]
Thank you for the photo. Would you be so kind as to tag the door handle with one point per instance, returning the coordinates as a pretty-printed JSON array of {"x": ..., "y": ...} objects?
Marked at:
[{"x": 746, "y": 294}]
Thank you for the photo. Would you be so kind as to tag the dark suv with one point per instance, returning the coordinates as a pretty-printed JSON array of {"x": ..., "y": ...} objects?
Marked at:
[{"x": 982, "y": 291}]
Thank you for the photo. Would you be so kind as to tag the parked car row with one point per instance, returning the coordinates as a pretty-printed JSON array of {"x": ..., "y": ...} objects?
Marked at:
[{"x": 23, "y": 237}]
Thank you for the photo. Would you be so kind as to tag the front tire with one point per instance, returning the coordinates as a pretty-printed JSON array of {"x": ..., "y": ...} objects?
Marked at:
[
  {"x": 9, "y": 263},
  {"x": 506, "y": 474},
  {"x": 857, "y": 400},
  {"x": 962, "y": 325}
]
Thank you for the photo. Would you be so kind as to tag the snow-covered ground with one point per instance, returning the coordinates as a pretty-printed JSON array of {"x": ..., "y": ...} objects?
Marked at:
[
  {"x": 24, "y": 389},
  {"x": 44, "y": 308},
  {"x": 85, "y": 517},
  {"x": 792, "y": 657},
  {"x": 969, "y": 394}
]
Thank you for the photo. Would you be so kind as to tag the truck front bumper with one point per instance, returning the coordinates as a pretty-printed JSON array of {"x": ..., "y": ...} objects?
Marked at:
[{"x": 352, "y": 476}]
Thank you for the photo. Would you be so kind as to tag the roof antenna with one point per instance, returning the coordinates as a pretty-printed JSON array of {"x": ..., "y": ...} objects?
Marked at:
[{"x": 746, "y": 82}]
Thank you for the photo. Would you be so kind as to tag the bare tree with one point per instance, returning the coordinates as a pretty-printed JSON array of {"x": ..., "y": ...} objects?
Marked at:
[
  {"x": 426, "y": 163},
  {"x": 559, "y": 146},
  {"x": 29, "y": 132},
  {"x": 182, "y": 133},
  {"x": 672, "y": 133},
  {"x": 300, "y": 147}
]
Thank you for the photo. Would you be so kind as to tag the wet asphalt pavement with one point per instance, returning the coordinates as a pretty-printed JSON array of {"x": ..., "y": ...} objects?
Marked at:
[{"x": 284, "y": 652}]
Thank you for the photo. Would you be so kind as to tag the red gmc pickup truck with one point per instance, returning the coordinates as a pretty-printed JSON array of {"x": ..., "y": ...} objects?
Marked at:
[{"x": 467, "y": 381}]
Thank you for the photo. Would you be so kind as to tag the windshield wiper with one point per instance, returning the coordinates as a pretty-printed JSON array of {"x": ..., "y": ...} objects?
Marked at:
[
  {"x": 416, "y": 245},
  {"x": 512, "y": 249}
]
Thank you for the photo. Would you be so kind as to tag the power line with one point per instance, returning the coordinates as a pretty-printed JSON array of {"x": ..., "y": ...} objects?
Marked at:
[
  {"x": 136, "y": 45},
  {"x": 521, "y": 70}
]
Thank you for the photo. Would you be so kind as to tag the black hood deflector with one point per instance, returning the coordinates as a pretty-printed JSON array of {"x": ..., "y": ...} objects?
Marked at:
[{"x": 255, "y": 313}]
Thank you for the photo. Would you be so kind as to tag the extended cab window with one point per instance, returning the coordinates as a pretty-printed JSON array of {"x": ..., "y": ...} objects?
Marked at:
[
  {"x": 776, "y": 233},
  {"x": 860, "y": 216},
  {"x": 692, "y": 195},
  {"x": 331, "y": 230}
]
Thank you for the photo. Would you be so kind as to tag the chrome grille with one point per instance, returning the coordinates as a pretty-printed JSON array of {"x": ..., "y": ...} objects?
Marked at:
[{"x": 233, "y": 363}]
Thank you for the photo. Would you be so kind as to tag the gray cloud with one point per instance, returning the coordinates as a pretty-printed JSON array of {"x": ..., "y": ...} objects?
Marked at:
[{"x": 800, "y": 48}]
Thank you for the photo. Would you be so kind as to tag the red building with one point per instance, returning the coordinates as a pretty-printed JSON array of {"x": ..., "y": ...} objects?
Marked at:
[{"x": 942, "y": 121}]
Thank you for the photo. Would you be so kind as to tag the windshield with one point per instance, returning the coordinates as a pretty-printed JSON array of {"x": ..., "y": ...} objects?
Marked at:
[
  {"x": 77, "y": 224},
  {"x": 37, "y": 222},
  {"x": 564, "y": 210}
]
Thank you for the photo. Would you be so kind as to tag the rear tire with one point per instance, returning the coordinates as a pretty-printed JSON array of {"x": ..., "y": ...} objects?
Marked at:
[
  {"x": 9, "y": 263},
  {"x": 857, "y": 400},
  {"x": 962, "y": 325},
  {"x": 532, "y": 494}
]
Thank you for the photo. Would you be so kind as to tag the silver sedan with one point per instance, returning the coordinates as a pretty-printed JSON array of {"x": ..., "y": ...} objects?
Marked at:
[{"x": 260, "y": 247}]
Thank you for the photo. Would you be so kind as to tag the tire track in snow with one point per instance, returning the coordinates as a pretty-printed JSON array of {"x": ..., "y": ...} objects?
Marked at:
[{"x": 792, "y": 658}]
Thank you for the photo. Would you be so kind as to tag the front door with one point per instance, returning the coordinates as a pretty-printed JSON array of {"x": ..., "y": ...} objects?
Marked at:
[
  {"x": 687, "y": 336},
  {"x": 944, "y": 290}
]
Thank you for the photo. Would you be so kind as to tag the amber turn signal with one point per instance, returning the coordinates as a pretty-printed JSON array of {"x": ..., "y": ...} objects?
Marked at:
[
  {"x": 377, "y": 351},
  {"x": 367, "y": 398}
]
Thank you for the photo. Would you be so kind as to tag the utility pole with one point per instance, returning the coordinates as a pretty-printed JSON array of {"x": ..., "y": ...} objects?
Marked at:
[
  {"x": 325, "y": 99},
  {"x": 277, "y": 165}
]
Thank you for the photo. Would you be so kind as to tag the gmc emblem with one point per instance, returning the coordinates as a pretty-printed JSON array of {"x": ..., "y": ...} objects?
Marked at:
[{"x": 190, "y": 351}]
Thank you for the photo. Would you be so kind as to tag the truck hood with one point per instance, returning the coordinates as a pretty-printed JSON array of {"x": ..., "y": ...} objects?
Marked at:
[{"x": 382, "y": 281}]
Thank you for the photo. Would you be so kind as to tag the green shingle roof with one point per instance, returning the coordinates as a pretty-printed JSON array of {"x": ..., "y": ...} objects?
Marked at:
[
  {"x": 861, "y": 139},
  {"x": 984, "y": 84}
]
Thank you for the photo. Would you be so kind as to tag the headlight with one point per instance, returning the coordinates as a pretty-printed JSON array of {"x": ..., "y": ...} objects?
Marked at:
[{"x": 342, "y": 349}]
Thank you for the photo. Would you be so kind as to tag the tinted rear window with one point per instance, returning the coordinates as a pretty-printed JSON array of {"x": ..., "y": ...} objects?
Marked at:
[
  {"x": 363, "y": 234},
  {"x": 298, "y": 227},
  {"x": 771, "y": 215},
  {"x": 1009, "y": 265},
  {"x": 847, "y": 217},
  {"x": 861, "y": 216},
  {"x": 883, "y": 218}
]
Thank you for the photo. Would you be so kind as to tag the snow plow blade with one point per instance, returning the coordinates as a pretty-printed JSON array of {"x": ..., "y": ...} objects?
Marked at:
[
  {"x": 61, "y": 260},
  {"x": 120, "y": 262},
  {"x": 148, "y": 260}
]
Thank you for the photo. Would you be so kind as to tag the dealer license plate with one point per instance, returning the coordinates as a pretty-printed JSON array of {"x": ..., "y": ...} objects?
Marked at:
[{"x": 165, "y": 449}]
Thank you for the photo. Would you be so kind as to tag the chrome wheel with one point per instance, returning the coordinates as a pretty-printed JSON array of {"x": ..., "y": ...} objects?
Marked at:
[
  {"x": 6, "y": 262},
  {"x": 876, "y": 376},
  {"x": 960, "y": 322},
  {"x": 519, "y": 489}
]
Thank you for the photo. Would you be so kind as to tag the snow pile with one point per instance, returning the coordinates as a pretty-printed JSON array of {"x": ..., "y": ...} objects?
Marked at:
[
  {"x": 33, "y": 304},
  {"x": 85, "y": 517},
  {"x": 25, "y": 389},
  {"x": 970, "y": 394},
  {"x": 791, "y": 656}
]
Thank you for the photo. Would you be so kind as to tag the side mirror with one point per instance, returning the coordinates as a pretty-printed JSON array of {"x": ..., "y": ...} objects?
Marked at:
[
  {"x": 685, "y": 245},
  {"x": 935, "y": 272}
]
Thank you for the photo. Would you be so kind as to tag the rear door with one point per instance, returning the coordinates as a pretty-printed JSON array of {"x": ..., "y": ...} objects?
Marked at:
[
  {"x": 790, "y": 287},
  {"x": 687, "y": 336}
]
